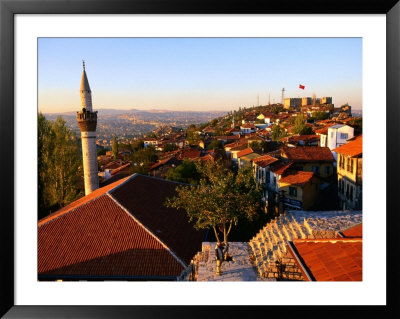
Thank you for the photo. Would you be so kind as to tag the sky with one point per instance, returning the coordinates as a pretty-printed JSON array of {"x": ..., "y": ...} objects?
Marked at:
[{"x": 197, "y": 74}]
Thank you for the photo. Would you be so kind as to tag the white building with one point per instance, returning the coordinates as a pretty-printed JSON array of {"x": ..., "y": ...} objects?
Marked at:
[
  {"x": 337, "y": 136},
  {"x": 150, "y": 141}
]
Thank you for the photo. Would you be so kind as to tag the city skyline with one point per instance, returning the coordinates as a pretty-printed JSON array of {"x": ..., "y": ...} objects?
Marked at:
[{"x": 197, "y": 74}]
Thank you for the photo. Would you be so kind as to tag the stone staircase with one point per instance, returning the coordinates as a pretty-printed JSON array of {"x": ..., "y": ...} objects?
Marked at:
[{"x": 269, "y": 246}]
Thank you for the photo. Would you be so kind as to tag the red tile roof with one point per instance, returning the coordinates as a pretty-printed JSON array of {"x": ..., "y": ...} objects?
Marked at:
[
  {"x": 123, "y": 229},
  {"x": 248, "y": 125},
  {"x": 351, "y": 148},
  {"x": 190, "y": 153},
  {"x": 121, "y": 169},
  {"x": 280, "y": 168},
  {"x": 305, "y": 138},
  {"x": 353, "y": 232},
  {"x": 297, "y": 178},
  {"x": 98, "y": 192},
  {"x": 163, "y": 162},
  {"x": 329, "y": 259},
  {"x": 238, "y": 147},
  {"x": 265, "y": 160},
  {"x": 101, "y": 239},
  {"x": 308, "y": 154},
  {"x": 245, "y": 152}
]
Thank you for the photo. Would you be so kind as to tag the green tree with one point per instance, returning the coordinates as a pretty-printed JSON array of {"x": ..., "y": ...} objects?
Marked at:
[
  {"x": 142, "y": 159},
  {"x": 59, "y": 165},
  {"x": 300, "y": 126},
  {"x": 319, "y": 115},
  {"x": 214, "y": 122},
  {"x": 277, "y": 133},
  {"x": 192, "y": 135},
  {"x": 114, "y": 147},
  {"x": 215, "y": 144},
  {"x": 184, "y": 173},
  {"x": 220, "y": 199}
]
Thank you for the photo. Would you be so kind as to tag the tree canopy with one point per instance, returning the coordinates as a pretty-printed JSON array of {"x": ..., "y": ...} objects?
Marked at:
[
  {"x": 114, "y": 147},
  {"x": 220, "y": 200},
  {"x": 184, "y": 173},
  {"x": 277, "y": 133},
  {"x": 59, "y": 165},
  {"x": 300, "y": 126}
]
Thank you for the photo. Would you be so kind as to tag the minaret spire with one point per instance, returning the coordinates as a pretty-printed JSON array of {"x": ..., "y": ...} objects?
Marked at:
[{"x": 87, "y": 121}]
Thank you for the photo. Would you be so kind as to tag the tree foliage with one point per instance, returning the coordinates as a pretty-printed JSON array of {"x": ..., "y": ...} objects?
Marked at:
[
  {"x": 59, "y": 165},
  {"x": 215, "y": 144},
  {"x": 320, "y": 115},
  {"x": 277, "y": 133},
  {"x": 220, "y": 200},
  {"x": 114, "y": 147},
  {"x": 184, "y": 173},
  {"x": 300, "y": 126}
]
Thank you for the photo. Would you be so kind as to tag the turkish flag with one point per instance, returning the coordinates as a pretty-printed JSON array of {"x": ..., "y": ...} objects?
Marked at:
[{"x": 301, "y": 87}]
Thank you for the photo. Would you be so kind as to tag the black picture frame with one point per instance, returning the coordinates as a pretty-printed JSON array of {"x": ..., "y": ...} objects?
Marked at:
[{"x": 9, "y": 8}]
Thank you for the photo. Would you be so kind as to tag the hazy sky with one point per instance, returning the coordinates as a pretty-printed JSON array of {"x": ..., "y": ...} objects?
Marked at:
[{"x": 197, "y": 73}]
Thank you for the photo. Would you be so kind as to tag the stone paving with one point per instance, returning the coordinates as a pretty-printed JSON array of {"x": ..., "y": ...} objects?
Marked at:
[{"x": 239, "y": 269}]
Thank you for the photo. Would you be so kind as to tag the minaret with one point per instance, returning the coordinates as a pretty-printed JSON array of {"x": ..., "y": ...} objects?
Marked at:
[{"x": 87, "y": 121}]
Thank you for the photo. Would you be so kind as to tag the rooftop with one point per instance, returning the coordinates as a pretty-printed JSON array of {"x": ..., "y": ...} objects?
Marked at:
[
  {"x": 351, "y": 148},
  {"x": 265, "y": 160},
  {"x": 329, "y": 259},
  {"x": 245, "y": 152},
  {"x": 297, "y": 178},
  {"x": 122, "y": 230},
  {"x": 308, "y": 154}
]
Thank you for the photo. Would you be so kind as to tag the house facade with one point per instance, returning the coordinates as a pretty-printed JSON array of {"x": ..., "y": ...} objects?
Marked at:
[{"x": 349, "y": 170}]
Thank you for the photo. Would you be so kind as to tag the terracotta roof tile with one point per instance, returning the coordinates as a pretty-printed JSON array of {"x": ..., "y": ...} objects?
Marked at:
[
  {"x": 123, "y": 229},
  {"x": 247, "y": 125},
  {"x": 144, "y": 197},
  {"x": 297, "y": 178},
  {"x": 330, "y": 259},
  {"x": 308, "y": 154},
  {"x": 353, "y": 232},
  {"x": 98, "y": 192},
  {"x": 280, "y": 168},
  {"x": 245, "y": 152},
  {"x": 351, "y": 148},
  {"x": 265, "y": 160},
  {"x": 100, "y": 239}
]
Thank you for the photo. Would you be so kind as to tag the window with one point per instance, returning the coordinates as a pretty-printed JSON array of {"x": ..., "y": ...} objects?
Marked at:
[
  {"x": 293, "y": 191},
  {"x": 351, "y": 193},
  {"x": 331, "y": 134},
  {"x": 327, "y": 170},
  {"x": 315, "y": 169},
  {"x": 344, "y": 136}
]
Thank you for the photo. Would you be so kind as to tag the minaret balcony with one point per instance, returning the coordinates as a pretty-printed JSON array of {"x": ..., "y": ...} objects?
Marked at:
[{"x": 87, "y": 120}]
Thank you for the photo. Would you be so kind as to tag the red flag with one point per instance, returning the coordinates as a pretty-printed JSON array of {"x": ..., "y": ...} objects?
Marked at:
[{"x": 301, "y": 87}]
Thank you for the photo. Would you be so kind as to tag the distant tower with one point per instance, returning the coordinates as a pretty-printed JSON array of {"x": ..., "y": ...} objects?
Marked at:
[
  {"x": 87, "y": 121},
  {"x": 283, "y": 95}
]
